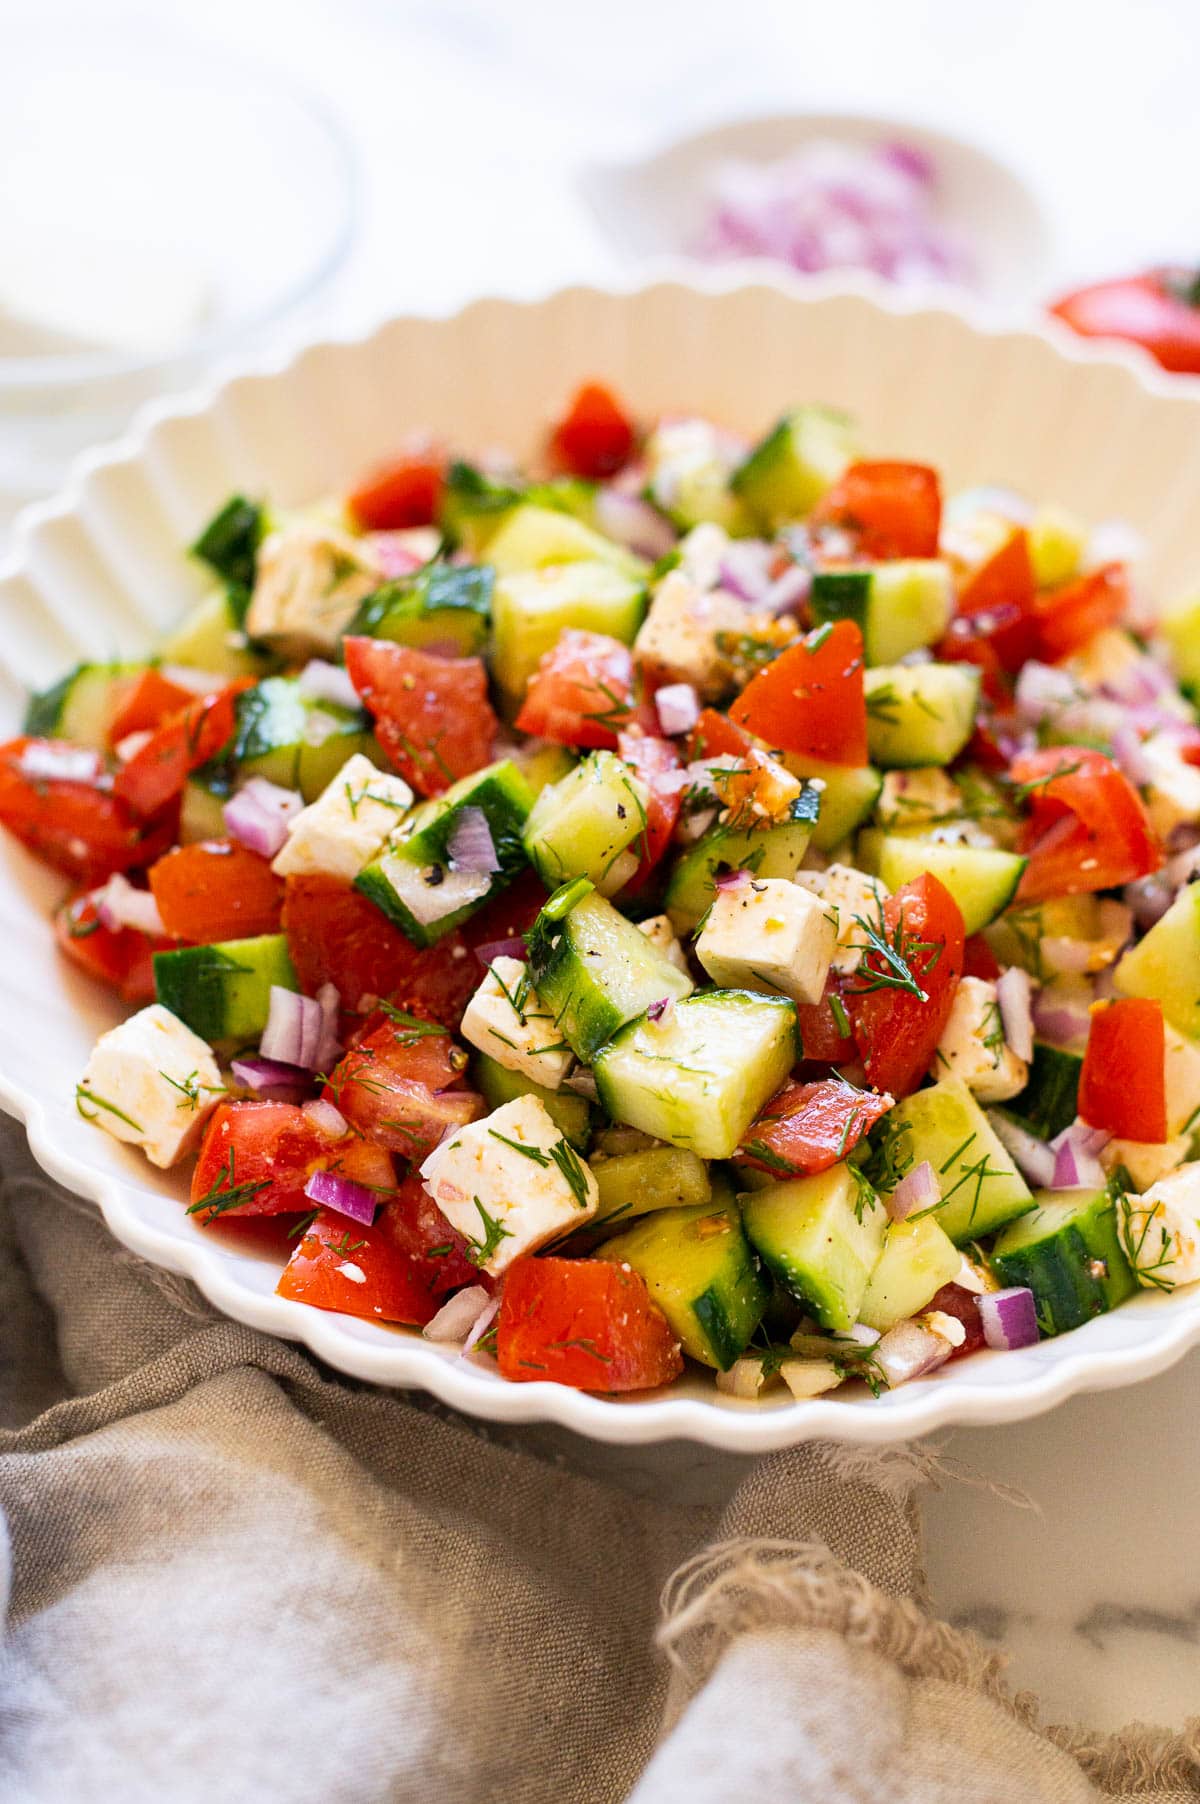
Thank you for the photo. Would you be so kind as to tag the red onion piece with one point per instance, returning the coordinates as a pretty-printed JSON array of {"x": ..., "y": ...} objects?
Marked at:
[
  {"x": 745, "y": 569},
  {"x": 327, "y": 1119},
  {"x": 397, "y": 554},
  {"x": 1076, "y": 1165},
  {"x": 1069, "y": 956},
  {"x": 272, "y": 1080},
  {"x": 1009, "y": 1318},
  {"x": 471, "y": 846},
  {"x": 483, "y": 1322},
  {"x": 328, "y": 1046},
  {"x": 678, "y": 708},
  {"x": 731, "y": 880},
  {"x": 1014, "y": 993},
  {"x": 491, "y": 950},
  {"x": 1033, "y": 1157},
  {"x": 908, "y": 1351},
  {"x": 788, "y": 590},
  {"x": 294, "y": 1029},
  {"x": 320, "y": 681},
  {"x": 917, "y": 1189},
  {"x": 119, "y": 905},
  {"x": 1127, "y": 752},
  {"x": 1061, "y": 1016},
  {"x": 633, "y": 522},
  {"x": 660, "y": 1010},
  {"x": 332, "y": 1191},
  {"x": 458, "y": 1314},
  {"x": 260, "y": 813}
]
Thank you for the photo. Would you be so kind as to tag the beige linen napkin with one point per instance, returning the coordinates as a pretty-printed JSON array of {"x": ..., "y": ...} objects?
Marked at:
[{"x": 235, "y": 1577}]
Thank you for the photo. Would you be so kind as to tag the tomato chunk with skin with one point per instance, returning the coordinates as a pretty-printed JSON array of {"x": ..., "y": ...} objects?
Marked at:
[
  {"x": 256, "y": 1158},
  {"x": 1156, "y": 310},
  {"x": 432, "y": 714},
  {"x": 823, "y": 1029},
  {"x": 216, "y": 889},
  {"x": 810, "y": 699},
  {"x": 401, "y": 493},
  {"x": 595, "y": 436},
  {"x": 716, "y": 736},
  {"x": 149, "y": 699},
  {"x": 342, "y": 1265},
  {"x": 1069, "y": 616},
  {"x": 995, "y": 625},
  {"x": 1123, "y": 1086},
  {"x": 398, "y": 1085},
  {"x": 963, "y": 1305},
  {"x": 657, "y": 763},
  {"x": 1087, "y": 829},
  {"x": 893, "y": 510},
  {"x": 899, "y": 1005},
  {"x": 581, "y": 693},
  {"x": 416, "y": 1226},
  {"x": 806, "y": 1128},
  {"x": 158, "y": 771},
  {"x": 120, "y": 957},
  {"x": 337, "y": 936},
  {"x": 585, "y": 1323},
  {"x": 74, "y": 822},
  {"x": 979, "y": 960}
]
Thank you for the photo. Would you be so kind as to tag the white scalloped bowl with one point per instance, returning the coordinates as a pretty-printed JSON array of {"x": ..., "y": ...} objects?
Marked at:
[{"x": 100, "y": 571}]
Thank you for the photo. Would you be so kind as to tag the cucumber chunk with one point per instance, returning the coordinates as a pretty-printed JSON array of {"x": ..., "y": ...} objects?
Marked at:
[
  {"x": 202, "y": 810},
  {"x": 446, "y": 606},
  {"x": 532, "y": 608},
  {"x": 919, "y": 713},
  {"x": 1050, "y": 1100},
  {"x": 82, "y": 705},
  {"x": 659, "y": 1177},
  {"x": 497, "y": 1085},
  {"x": 792, "y": 467},
  {"x": 847, "y": 793},
  {"x": 332, "y": 736},
  {"x": 586, "y": 824},
  {"x": 918, "y": 1257},
  {"x": 1068, "y": 1252},
  {"x": 700, "y": 1075},
  {"x": 532, "y": 537},
  {"x": 223, "y": 991},
  {"x": 701, "y": 1271},
  {"x": 899, "y": 607},
  {"x": 821, "y": 1237},
  {"x": 981, "y": 880},
  {"x": 980, "y": 1185},
  {"x": 776, "y": 850},
  {"x": 211, "y": 638},
  {"x": 594, "y": 970},
  {"x": 1165, "y": 965}
]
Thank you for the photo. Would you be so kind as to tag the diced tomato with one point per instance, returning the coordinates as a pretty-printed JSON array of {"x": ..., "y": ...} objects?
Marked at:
[
  {"x": 74, "y": 822},
  {"x": 992, "y": 641},
  {"x": 716, "y": 736},
  {"x": 432, "y": 714},
  {"x": 1156, "y": 310},
  {"x": 979, "y": 960},
  {"x": 1087, "y": 829},
  {"x": 806, "y": 1128},
  {"x": 336, "y": 936},
  {"x": 1123, "y": 1086},
  {"x": 505, "y": 916},
  {"x": 824, "y": 1029},
  {"x": 158, "y": 772},
  {"x": 149, "y": 699},
  {"x": 657, "y": 763},
  {"x": 963, "y": 1305},
  {"x": 892, "y": 509},
  {"x": 581, "y": 693},
  {"x": 395, "y": 1085},
  {"x": 404, "y": 492},
  {"x": 810, "y": 699},
  {"x": 438, "y": 1253},
  {"x": 256, "y": 1158},
  {"x": 216, "y": 889},
  {"x": 1068, "y": 617},
  {"x": 897, "y": 1030},
  {"x": 996, "y": 598},
  {"x": 586, "y": 1323},
  {"x": 120, "y": 957},
  {"x": 343, "y": 1265},
  {"x": 595, "y": 436}
]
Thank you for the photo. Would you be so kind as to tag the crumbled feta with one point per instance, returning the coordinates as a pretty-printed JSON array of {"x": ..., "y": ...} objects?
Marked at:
[
  {"x": 917, "y": 798},
  {"x": 344, "y": 829},
  {"x": 973, "y": 1047},
  {"x": 1161, "y": 1230},
  {"x": 680, "y": 638},
  {"x": 846, "y": 893},
  {"x": 311, "y": 578},
  {"x": 1172, "y": 786},
  {"x": 700, "y": 554},
  {"x": 766, "y": 933},
  {"x": 662, "y": 936},
  {"x": 506, "y": 1019},
  {"x": 153, "y": 1083},
  {"x": 510, "y": 1183}
]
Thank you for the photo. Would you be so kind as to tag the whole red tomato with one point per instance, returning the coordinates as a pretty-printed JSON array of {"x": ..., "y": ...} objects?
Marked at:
[{"x": 1159, "y": 310}]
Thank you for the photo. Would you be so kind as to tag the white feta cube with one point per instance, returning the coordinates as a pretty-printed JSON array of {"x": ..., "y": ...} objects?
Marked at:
[
  {"x": 766, "y": 933},
  {"x": 847, "y": 894},
  {"x": 1146, "y": 1161},
  {"x": 506, "y": 1019},
  {"x": 310, "y": 579},
  {"x": 151, "y": 1082},
  {"x": 700, "y": 553},
  {"x": 1172, "y": 786},
  {"x": 1181, "y": 1067},
  {"x": 681, "y": 638},
  {"x": 510, "y": 1183},
  {"x": 662, "y": 936},
  {"x": 973, "y": 1047},
  {"x": 1161, "y": 1230},
  {"x": 344, "y": 829}
]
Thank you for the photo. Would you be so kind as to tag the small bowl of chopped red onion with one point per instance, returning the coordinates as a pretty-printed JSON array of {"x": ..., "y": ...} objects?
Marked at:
[{"x": 819, "y": 192}]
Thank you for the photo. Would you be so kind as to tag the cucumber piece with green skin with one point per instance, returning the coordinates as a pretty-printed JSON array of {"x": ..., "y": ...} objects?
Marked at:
[
  {"x": 475, "y": 504},
  {"x": 82, "y": 705},
  {"x": 700, "y": 1269},
  {"x": 659, "y": 1177},
  {"x": 211, "y": 638},
  {"x": 982, "y": 881},
  {"x": 531, "y": 609},
  {"x": 417, "y": 854},
  {"x": 919, "y": 713},
  {"x": 532, "y": 537},
  {"x": 586, "y": 824},
  {"x": 918, "y": 1257},
  {"x": 847, "y": 793},
  {"x": 202, "y": 810},
  {"x": 1068, "y": 1252},
  {"x": 899, "y": 607},
  {"x": 1165, "y": 965},
  {"x": 1050, "y": 1100},
  {"x": 571, "y": 1114},
  {"x": 792, "y": 467},
  {"x": 981, "y": 1188},
  {"x": 541, "y": 763},
  {"x": 1016, "y": 938},
  {"x": 332, "y": 736},
  {"x": 699, "y": 1075},
  {"x": 821, "y": 1237},
  {"x": 594, "y": 970},
  {"x": 229, "y": 546},
  {"x": 269, "y": 731},
  {"x": 776, "y": 850},
  {"x": 443, "y": 605},
  {"x": 223, "y": 991}
]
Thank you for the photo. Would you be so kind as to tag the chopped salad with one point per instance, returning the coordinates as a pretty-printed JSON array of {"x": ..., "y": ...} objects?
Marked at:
[{"x": 690, "y": 900}]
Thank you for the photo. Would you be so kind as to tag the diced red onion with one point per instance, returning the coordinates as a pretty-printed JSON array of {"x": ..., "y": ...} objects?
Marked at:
[
  {"x": 1128, "y": 753},
  {"x": 119, "y": 904},
  {"x": 483, "y": 1322},
  {"x": 397, "y": 554},
  {"x": 1061, "y": 1019},
  {"x": 731, "y": 880},
  {"x": 745, "y": 569},
  {"x": 788, "y": 590},
  {"x": 56, "y": 761},
  {"x": 1069, "y": 956},
  {"x": 861, "y": 1335},
  {"x": 1034, "y": 1158},
  {"x": 491, "y": 950},
  {"x": 908, "y": 1351},
  {"x": 1076, "y": 1165},
  {"x": 1149, "y": 898},
  {"x": 458, "y": 1314},
  {"x": 743, "y": 1379},
  {"x": 328, "y": 1047},
  {"x": 1009, "y": 1318},
  {"x": 272, "y": 1080},
  {"x": 327, "y": 1119},
  {"x": 260, "y": 813},
  {"x": 332, "y": 1191},
  {"x": 1042, "y": 691},
  {"x": 1014, "y": 993},
  {"x": 295, "y": 1028},
  {"x": 471, "y": 846},
  {"x": 917, "y": 1189},
  {"x": 661, "y": 1010},
  {"x": 320, "y": 681},
  {"x": 633, "y": 522},
  {"x": 429, "y": 902},
  {"x": 583, "y": 1083},
  {"x": 678, "y": 708}
]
